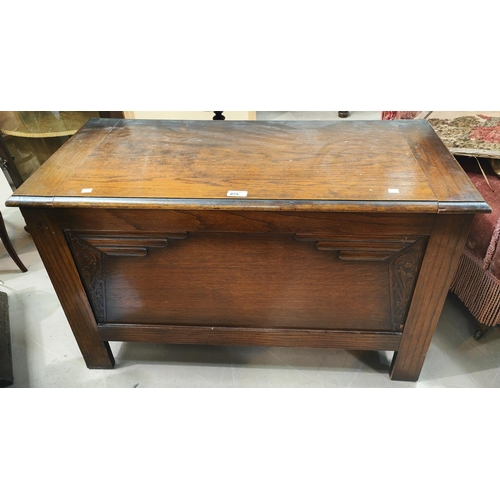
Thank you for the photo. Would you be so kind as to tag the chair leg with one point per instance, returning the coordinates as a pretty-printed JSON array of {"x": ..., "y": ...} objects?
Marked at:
[
  {"x": 9, "y": 247},
  {"x": 482, "y": 331}
]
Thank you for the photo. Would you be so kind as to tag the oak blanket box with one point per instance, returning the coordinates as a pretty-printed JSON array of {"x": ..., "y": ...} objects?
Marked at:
[{"x": 302, "y": 233}]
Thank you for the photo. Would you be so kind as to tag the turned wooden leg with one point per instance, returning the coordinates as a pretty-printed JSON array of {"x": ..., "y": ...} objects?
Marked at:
[
  {"x": 218, "y": 115},
  {"x": 436, "y": 274},
  {"x": 57, "y": 259},
  {"x": 8, "y": 245}
]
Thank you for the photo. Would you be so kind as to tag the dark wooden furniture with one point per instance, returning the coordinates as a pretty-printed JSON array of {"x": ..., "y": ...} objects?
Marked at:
[
  {"x": 6, "y": 372},
  {"x": 31, "y": 137},
  {"x": 8, "y": 246},
  {"x": 316, "y": 234},
  {"x": 8, "y": 166}
]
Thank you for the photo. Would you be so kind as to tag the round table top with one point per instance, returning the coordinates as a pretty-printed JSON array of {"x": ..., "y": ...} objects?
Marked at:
[{"x": 41, "y": 124}]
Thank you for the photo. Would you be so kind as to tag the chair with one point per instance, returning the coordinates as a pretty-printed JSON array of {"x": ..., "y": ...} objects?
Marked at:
[
  {"x": 15, "y": 180},
  {"x": 477, "y": 280}
]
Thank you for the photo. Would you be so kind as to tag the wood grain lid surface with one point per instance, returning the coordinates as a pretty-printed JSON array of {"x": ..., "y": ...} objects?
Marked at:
[{"x": 315, "y": 165}]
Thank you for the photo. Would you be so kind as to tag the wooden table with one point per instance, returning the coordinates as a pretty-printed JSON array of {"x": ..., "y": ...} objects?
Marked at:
[
  {"x": 31, "y": 137},
  {"x": 306, "y": 234}
]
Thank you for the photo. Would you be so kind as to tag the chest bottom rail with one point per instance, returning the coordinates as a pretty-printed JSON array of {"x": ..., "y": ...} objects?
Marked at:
[{"x": 269, "y": 337}]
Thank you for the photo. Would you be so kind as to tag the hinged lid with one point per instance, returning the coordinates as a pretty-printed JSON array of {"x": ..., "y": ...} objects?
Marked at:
[{"x": 313, "y": 165}]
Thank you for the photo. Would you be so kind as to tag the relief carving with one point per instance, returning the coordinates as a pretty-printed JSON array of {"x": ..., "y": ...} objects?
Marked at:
[
  {"x": 403, "y": 272},
  {"x": 402, "y": 255},
  {"x": 90, "y": 266},
  {"x": 89, "y": 250},
  {"x": 367, "y": 250}
]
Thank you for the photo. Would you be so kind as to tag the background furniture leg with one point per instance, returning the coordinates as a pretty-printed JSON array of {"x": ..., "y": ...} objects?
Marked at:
[
  {"x": 8, "y": 245},
  {"x": 9, "y": 167},
  {"x": 6, "y": 376},
  {"x": 482, "y": 331}
]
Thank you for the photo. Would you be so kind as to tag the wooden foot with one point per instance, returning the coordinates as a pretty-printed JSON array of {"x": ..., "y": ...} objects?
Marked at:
[
  {"x": 343, "y": 114},
  {"x": 100, "y": 358}
]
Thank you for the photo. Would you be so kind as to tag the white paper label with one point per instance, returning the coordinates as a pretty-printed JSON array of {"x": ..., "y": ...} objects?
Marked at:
[
  {"x": 87, "y": 190},
  {"x": 241, "y": 194},
  {"x": 393, "y": 190}
]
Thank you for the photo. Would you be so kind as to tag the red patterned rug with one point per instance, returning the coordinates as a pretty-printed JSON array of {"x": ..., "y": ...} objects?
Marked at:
[
  {"x": 399, "y": 115},
  {"x": 470, "y": 133},
  {"x": 474, "y": 132}
]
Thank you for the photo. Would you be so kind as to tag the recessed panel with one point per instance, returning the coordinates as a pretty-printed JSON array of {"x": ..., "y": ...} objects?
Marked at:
[{"x": 247, "y": 280}]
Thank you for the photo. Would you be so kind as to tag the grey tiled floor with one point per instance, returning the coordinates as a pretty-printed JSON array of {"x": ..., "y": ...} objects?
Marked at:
[{"x": 45, "y": 353}]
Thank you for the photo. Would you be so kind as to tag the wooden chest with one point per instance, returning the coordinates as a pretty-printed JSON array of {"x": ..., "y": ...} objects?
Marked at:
[{"x": 307, "y": 234}]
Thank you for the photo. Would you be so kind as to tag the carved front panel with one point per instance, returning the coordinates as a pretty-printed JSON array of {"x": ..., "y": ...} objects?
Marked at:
[{"x": 248, "y": 279}]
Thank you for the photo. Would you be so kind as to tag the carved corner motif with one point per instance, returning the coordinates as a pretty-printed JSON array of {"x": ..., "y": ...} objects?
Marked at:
[
  {"x": 90, "y": 266},
  {"x": 402, "y": 255},
  {"x": 403, "y": 272},
  {"x": 89, "y": 250},
  {"x": 367, "y": 250}
]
